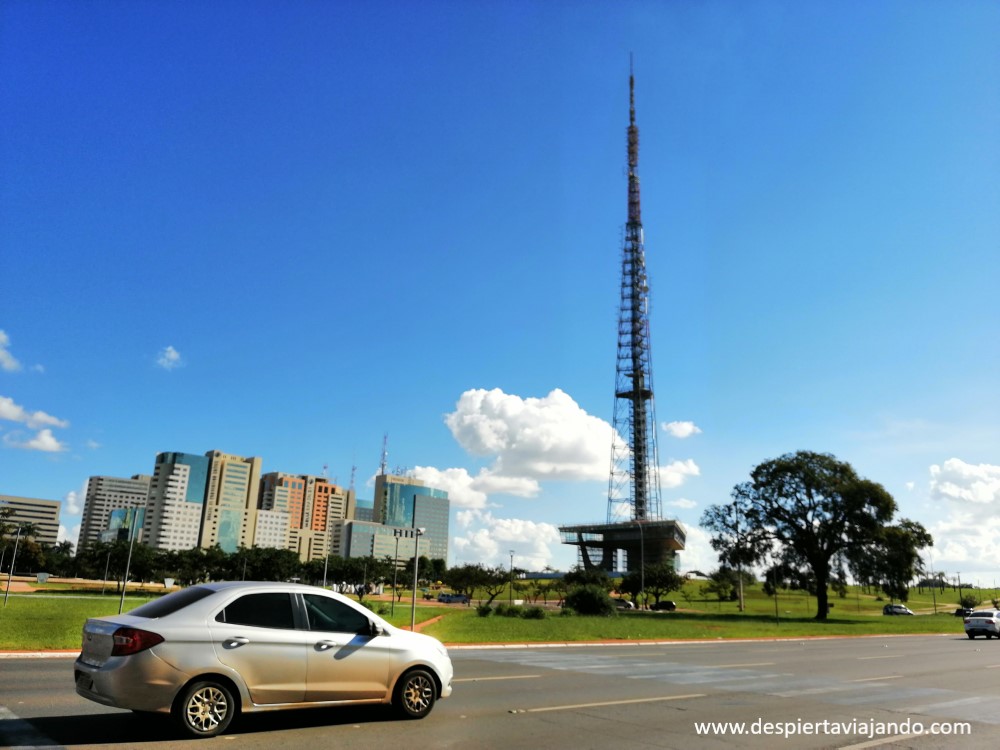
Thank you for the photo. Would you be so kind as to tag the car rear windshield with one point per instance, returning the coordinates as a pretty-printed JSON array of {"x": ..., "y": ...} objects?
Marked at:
[
  {"x": 981, "y": 614},
  {"x": 167, "y": 605}
]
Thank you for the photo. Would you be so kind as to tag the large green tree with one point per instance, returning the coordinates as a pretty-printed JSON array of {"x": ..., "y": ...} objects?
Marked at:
[
  {"x": 809, "y": 509},
  {"x": 892, "y": 561}
]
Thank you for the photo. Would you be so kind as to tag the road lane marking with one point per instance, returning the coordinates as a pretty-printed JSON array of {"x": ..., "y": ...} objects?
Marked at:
[
  {"x": 879, "y": 679},
  {"x": 613, "y": 703},
  {"x": 880, "y": 741},
  {"x": 21, "y": 733},
  {"x": 490, "y": 679},
  {"x": 869, "y": 658},
  {"x": 736, "y": 666}
]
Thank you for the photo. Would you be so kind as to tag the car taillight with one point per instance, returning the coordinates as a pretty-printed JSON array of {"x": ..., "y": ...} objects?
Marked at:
[
  {"x": 967, "y": 620},
  {"x": 132, "y": 640}
]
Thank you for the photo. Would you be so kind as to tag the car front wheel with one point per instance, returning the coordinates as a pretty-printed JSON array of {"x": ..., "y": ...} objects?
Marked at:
[
  {"x": 415, "y": 694},
  {"x": 205, "y": 709},
  {"x": 971, "y": 636}
]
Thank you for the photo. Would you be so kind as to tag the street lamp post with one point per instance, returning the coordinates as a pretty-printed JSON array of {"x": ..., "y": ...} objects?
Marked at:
[
  {"x": 128, "y": 561},
  {"x": 417, "y": 533},
  {"x": 642, "y": 561},
  {"x": 326, "y": 560},
  {"x": 13, "y": 559},
  {"x": 510, "y": 591},
  {"x": 395, "y": 572},
  {"x": 107, "y": 565}
]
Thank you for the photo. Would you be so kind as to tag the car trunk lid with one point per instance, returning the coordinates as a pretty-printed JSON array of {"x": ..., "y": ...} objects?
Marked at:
[{"x": 98, "y": 641}]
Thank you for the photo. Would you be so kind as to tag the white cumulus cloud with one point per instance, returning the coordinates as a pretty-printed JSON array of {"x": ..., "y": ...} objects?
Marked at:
[
  {"x": 968, "y": 483},
  {"x": 15, "y": 413},
  {"x": 681, "y": 429},
  {"x": 537, "y": 438},
  {"x": 490, "y": 540},
  {"x": 968, "y": 539},
  {"x": 7, "y": 360},
  {"x": 676, "y": 473},
  {"x": 43, "y": 441},
  {"x": 683, "y": 502},
  {"x": 169, "y": 358}
]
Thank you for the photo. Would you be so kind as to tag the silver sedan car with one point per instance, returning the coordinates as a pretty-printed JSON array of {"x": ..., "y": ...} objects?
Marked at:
[{"x": 207, "y": 653}]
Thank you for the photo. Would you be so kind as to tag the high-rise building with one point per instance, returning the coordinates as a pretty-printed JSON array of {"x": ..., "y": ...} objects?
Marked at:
[
  {"x": 125, "y": 524},
  {"x": 43, "y": 515},
  {"x": 105, "y": 495},
  {"x": 406, "y": 502},
  {"x": 312, "y": 504},
  {"x": 364, "y": 510},
  {"x": 176, "y": 501},
  {"x": 367, "y": 539},
  {"x": 230, "y": 518}
]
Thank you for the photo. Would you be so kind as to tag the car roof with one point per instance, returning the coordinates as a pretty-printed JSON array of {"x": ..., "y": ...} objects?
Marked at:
[{"x": 251, "y": 585}]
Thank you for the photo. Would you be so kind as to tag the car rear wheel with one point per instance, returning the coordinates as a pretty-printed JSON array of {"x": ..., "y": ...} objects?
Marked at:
[
  {"x": 971, "y": 636},
  {"x": 205, "y": 709},
  {"x": 415, "y": 694}
]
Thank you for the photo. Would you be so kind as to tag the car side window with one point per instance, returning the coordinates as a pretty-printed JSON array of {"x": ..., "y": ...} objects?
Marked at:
[
  {"x": 270, "y": 610},
  {"x": 332, "y": 616}
]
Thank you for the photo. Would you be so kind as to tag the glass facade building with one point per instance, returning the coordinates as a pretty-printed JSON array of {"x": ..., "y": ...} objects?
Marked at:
[{"x": 405, "y": 502}]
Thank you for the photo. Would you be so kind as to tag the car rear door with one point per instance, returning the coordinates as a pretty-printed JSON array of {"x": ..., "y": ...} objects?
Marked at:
[
  {"x": 255, "y": 635},
  {"x": 345, "y": 661}
]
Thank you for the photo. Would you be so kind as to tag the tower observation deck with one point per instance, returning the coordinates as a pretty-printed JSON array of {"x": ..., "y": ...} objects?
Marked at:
[{"x": 634, "y": 518}]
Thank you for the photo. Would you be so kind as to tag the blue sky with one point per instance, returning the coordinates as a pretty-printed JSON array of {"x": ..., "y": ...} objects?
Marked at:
[{"x": 289, "y": 229}]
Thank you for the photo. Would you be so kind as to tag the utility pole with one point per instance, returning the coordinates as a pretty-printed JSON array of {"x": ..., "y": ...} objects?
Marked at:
[{"x": 510, "y": 589}]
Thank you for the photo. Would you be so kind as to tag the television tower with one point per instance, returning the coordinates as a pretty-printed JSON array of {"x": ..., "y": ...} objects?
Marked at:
[{"x": 634, "y": 487}]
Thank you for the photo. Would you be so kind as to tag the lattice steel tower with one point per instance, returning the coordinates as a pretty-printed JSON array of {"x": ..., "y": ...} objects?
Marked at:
[{"x": 634, "y": 487}]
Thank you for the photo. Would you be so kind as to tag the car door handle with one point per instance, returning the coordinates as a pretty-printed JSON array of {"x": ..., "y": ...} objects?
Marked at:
[
  {"x": 326, "y": 645},
  {"x": 235, "y": 642}
]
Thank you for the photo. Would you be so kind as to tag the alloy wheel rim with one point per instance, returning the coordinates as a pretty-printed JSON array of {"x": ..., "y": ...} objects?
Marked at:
[
  {"x": 206, "y": 709},
  {"x": 418, "y": 694}
]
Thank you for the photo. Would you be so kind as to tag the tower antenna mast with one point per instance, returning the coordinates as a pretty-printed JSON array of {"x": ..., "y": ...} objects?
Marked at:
[{"x": 634, "y": 486}]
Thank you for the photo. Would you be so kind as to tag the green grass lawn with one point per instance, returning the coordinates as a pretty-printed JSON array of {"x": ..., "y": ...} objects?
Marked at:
[{"x": 38, "y": 622}]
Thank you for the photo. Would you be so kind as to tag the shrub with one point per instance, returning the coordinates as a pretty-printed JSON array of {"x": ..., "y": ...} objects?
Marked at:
[
  {"x": 567, "y": 612},
  {"x": 508, "y": 610},
  {"x": 591, "y": 600},
  {"x": 533, "y": 613},
  {"x": 484, "y": 610},
  {"x": 969, "y": 601}
]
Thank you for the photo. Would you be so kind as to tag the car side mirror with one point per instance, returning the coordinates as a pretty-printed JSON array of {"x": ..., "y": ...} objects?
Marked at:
[{"x": 374, "y": 629}]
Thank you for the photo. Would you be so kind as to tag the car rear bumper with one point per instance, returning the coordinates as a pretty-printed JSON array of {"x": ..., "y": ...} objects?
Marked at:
[{"x": 140, "y": 682}]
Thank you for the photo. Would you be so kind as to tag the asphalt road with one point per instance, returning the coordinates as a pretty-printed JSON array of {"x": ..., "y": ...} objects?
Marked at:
[{"x": 823, "y": 693}]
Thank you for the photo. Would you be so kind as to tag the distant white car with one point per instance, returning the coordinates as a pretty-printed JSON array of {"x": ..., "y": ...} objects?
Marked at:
[
  {"x": 896, "y": 609},
  {"x": 983, "y": 622},
  {"x": 207, "y": 653}
]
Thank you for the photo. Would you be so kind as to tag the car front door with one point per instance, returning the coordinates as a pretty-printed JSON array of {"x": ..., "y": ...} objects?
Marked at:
[
  {"x": 345, "y": 661},
  {"x": 255, "y": 635}
]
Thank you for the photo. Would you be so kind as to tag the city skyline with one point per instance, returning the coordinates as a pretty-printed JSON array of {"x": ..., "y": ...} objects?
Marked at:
[{"x": 289, "y": 231}]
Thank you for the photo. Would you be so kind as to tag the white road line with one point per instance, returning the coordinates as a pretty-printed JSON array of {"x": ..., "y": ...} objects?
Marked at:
[
  {"x": 869, "y": 658},
  {"x": 737, "y": 666},
  {"x": 881, "y": 741},
  {"x": 491, "y": 679},
  {"x": 879, "y": 679},
  {"x": 614, "y": 703},
  {"x": 21, "y": 734}
]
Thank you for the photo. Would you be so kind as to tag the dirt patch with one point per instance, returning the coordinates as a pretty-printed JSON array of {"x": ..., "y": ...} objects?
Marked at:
[{"x": 18, "y": 587}]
